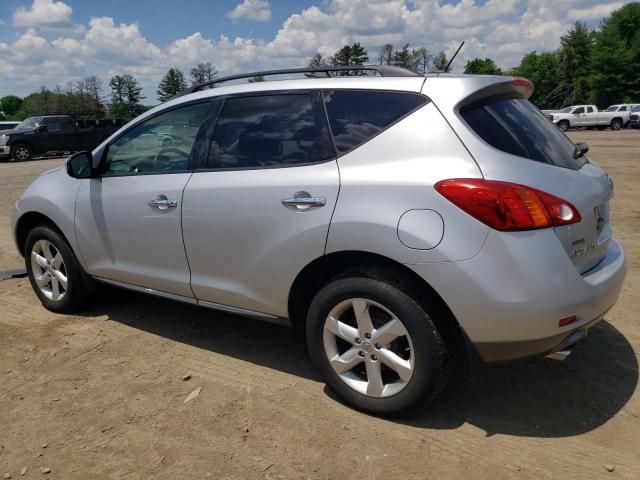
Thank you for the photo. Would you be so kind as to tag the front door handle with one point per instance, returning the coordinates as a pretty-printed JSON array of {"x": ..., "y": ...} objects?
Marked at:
[
  {"x": 304, "y": 201},
  {"x": 162, "y": 203}
]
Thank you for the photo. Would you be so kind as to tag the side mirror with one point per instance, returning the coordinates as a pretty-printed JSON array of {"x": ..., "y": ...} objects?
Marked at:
[
  {"x": 581, "y": 149},
  {"x": 41, "y": 129},
  {"x": 80, "y": 165}
]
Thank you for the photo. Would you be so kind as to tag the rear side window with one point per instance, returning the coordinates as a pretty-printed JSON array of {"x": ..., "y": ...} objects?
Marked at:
[
  {"x": 515, "y": 126},
  {"x": 357, "y": 116},
  {"x": 269, "y": 131}
]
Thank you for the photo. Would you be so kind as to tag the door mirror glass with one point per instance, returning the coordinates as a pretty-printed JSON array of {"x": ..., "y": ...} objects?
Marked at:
[
  {"x": 41, "y": 129},
  {"x": 80, "y": 165}
]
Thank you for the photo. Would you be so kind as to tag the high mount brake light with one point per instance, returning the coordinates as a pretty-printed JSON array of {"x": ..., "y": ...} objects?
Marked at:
[
  {"x": 508, "y": 206},
  {"x": 523, "y": 85}
]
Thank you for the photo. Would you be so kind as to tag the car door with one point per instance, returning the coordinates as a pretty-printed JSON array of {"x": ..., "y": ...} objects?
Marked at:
[
  {"x": 128, "y": 218},
  {"x": 259, "y": 210},
  {"x": 580, "y": 116}
]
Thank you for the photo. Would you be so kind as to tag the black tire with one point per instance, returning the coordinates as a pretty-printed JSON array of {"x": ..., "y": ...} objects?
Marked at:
[
  {"x": 563, "y": 125},
  {"x": 21, "y": 152},
  {"x": 76, "y": 293},
  {"x": 430, "y": 366},
  {"x": 616, "y": 124}
]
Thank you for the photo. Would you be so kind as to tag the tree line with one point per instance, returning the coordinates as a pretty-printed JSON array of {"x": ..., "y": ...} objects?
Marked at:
[{"x": 596, "y": 66}]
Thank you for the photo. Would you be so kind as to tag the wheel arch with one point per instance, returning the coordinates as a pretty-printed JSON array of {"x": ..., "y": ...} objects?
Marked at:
[
  {"x": 321, "y": 270},
  {"x": 27, "y": 222}
]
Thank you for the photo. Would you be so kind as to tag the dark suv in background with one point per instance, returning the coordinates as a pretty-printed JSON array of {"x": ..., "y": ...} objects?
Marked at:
[{"x": 53, "y": 133}]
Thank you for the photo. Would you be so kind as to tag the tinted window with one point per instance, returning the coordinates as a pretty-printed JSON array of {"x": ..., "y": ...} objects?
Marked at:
[
  {"x": 358, "y": 116},
  {"x": 517, "y": 127},
  {"x": 269, "y": 130},
  {"x": 579, "y": 110},
  {"x": 623, "y": 109},
  {"x": 160, "y": 144},
  {"x": 589, "y": 109}
]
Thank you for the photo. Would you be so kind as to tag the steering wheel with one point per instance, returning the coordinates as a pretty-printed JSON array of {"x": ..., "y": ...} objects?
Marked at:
[{"x": 168, "y": 150}]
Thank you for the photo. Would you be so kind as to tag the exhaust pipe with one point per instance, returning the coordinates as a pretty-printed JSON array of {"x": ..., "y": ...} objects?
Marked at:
[{"x": 560, "y": 356}]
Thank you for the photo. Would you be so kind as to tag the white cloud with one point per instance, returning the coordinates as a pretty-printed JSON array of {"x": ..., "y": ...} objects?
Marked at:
[
  {"x": 594, "y": 12},
  {"x": 255, "y": 10},
  {"x": 43, "y": 13},
  {"x": 504, "y": 30}
]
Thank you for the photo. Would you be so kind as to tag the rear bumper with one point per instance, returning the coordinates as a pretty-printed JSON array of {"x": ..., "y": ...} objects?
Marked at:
[{"x": 510, "y": 297}]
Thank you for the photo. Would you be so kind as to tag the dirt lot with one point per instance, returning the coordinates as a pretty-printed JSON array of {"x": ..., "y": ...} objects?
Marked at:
[{"x": 100, "y": 395}]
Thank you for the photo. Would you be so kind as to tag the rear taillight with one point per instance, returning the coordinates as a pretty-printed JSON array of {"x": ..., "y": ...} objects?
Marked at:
[{"x": 508, "y": 206}]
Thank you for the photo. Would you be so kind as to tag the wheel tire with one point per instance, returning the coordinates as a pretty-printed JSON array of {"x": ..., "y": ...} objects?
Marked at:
[
  {"x": 563, "y": 125},
  {"x": 75, "y": 295},
  {"x": 616, "y": 124},
  {"x": 427, "y": 350},
  {"x": 21, "y": 152}
]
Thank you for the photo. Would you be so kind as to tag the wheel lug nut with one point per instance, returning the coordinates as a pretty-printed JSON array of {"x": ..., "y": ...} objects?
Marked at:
[
  {"x": 361, "y": 354},
  {"x": 378, "y": 346},
  {"x": 358, "y": 340},
  {"x": 373, "y": 357},
  {"x": 367, "y": 335}
]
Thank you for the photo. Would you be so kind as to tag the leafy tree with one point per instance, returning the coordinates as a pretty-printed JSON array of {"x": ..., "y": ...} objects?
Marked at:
[
  {"x": 126, "y": 95},
  {"x": 203, "y": 72},
  {"x": 10, "y": 105},
  {"x": 482, "y": 66},
  {"x": 615, "y": 76},
  {"x": 574, "y": 64},
  {"x": 350, "y": 55},
  {"x": 542, "y": 70},
  {"x": 440, "y": 61},
  {"x": 416, "y": 59},
  {"x": 171, "y": 84}
]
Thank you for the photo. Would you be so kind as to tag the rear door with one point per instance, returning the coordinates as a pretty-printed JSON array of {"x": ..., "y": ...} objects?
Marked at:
[
  {"x": 259, "y": 210},
  {"x": 529, "y": 150}
]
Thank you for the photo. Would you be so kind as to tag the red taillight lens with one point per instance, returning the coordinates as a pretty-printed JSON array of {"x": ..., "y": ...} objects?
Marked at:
[{"x": 508, "y": 206}]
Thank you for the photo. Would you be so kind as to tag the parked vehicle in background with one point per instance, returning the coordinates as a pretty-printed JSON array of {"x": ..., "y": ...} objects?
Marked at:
[
  {"x": 8, "y": 125},
  {"x": 42, "y": 134},
  {"x": 578, "y": 116},
  {"x": 624, "y": 110},
  {"x": 326, "y": 204},
  {"x": 634, "y": 117}
]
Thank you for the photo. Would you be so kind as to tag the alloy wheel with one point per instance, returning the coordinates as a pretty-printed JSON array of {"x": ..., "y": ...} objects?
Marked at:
[
  {"x": 49, "y": 270},
  {"x": 22, "y": 153},
  {"x": 368, "y": 347}
]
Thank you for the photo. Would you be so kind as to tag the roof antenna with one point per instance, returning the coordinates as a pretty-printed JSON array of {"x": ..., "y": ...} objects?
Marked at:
[{"x": 446, "y": 69}]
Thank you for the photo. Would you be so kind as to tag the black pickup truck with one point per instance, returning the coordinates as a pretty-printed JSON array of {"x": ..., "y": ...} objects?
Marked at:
[{"x": 42, "y": 134}]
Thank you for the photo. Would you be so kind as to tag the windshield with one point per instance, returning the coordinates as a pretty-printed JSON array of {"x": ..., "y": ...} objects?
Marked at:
[
  {"x": 515, "y": 126},
  {"x": 566, "y": 109},
  {"x": 28, "y": 123},
  {"x": 613, "y": 108}
]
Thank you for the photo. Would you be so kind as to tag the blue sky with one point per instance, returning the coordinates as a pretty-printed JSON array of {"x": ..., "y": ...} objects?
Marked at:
[{"x": 52, "y": 42}]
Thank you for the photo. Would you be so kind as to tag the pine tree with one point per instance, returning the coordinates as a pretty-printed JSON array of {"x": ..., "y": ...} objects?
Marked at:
[
  {"x": 171, "y": 84},
  {"x": 440, "y": 62}
]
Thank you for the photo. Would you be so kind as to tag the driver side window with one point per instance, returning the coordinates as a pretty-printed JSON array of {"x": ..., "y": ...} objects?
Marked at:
[{"x": 161, "y": 144}]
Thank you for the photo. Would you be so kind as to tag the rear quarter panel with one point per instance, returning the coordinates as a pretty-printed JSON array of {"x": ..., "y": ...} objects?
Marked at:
[{"x": 395, "y": 172}]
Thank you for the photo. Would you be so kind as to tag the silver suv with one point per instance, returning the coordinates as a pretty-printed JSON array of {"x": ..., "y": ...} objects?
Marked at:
[{"x": 408, "y": 223}]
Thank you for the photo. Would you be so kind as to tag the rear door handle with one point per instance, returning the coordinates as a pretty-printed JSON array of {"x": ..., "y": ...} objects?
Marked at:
[
  {"x": 304, "y": 201},
  {"x": 162, "y": 203}
]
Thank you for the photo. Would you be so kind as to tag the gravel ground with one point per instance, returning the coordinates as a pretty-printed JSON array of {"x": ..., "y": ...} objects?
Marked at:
[{"x": 102, "y": 394}]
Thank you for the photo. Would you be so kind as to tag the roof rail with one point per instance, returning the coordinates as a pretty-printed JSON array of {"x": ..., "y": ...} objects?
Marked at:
[{"x": 382, "y": 70}]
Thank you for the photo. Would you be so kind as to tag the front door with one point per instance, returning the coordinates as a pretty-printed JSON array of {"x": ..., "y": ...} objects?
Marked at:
[
  {"x": 259, "y": 210},
  {"x": 128, "y": 219}
]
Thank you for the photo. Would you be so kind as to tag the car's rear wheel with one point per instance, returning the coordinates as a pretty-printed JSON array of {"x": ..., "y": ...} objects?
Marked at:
[
  {"x": 20, "y": 152},
  {"x": 375, "y": 346},
  {"x": 616, "y": 124},
  {"x": 54, "y": 271},
  {"x": 563, "y": 125}
]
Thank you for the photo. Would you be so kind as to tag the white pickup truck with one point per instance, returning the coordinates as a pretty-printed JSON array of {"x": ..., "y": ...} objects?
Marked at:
[{"x": 578, "y": 116}]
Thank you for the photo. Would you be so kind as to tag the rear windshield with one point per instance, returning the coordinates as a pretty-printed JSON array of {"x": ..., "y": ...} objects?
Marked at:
[{"x": 515, "y": 126}]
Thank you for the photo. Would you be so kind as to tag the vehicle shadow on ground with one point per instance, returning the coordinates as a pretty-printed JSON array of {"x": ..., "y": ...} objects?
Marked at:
[{"x": 537, "y": 398}]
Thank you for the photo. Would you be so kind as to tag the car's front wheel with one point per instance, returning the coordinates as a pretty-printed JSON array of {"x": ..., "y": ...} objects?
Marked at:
[
  {"x": 616, "y": 124},
  {"x": 54, "y": 271},
  {"x": 375, "y": 346},
  {"x": 563, "y": 125}
]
